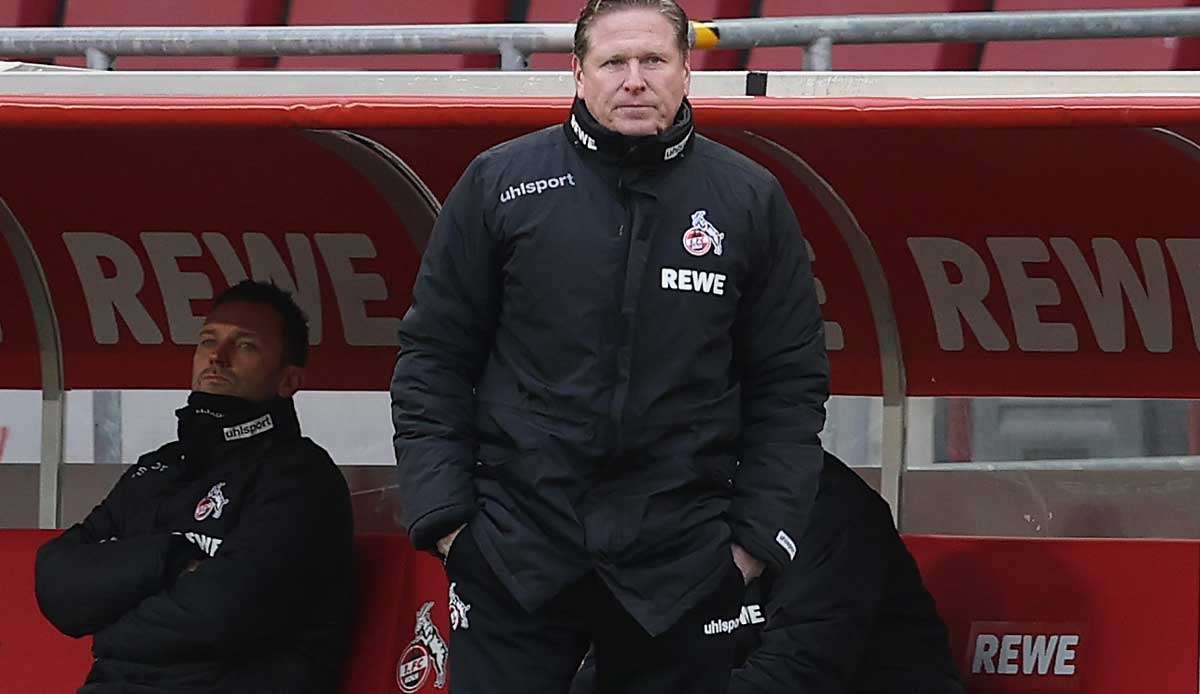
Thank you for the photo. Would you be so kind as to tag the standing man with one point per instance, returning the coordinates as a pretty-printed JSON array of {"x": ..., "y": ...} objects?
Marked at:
[
  {"x": 221, "y": 562},
  {"x": 610, "y": 315}
]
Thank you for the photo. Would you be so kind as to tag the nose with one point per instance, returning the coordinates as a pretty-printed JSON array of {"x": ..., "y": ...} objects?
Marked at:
[
  {"x": 634, "y": 80},
  {"x": 220, "y": 355}
]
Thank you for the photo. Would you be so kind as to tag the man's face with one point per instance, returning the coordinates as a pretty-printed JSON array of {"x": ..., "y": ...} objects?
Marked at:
[
  {"x": 240, "y": 353},
  {"x": 633, "y": 78}
]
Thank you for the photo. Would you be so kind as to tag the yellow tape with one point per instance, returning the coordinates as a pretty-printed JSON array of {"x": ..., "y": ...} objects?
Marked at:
[{"x": 706, "y": 36}]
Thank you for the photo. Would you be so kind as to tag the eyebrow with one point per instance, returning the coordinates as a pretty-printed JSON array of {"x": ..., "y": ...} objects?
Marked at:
[{"x": 238, "y": 332}]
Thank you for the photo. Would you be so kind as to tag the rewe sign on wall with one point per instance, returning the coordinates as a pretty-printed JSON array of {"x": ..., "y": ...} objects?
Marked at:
[{"x": 1016, "y": 261}]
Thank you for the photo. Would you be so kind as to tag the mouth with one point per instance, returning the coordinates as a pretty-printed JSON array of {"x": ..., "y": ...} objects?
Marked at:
[{"x": 214, "y": 376}]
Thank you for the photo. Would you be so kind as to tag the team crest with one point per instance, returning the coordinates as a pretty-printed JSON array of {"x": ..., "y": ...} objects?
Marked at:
[
  {"x": 213, "y": 503},
  {"x": 427, "y": 652},
  {"x": 702, "y": 236},
  {"x": 458, "y": 611}
]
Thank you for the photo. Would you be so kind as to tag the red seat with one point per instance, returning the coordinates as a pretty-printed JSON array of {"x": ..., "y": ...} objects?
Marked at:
[
  {"x": 323, "y": 12},
  {"x": 919, "y": 56},
  {"x": 1092, "y": 54},
  {"x": 1083, "y": 615},
  {"x": 568, "y": 11},
  {"x": 29, "y": 13},
  {"x": 83, "y": 13},
  {"x": 34, "y": 656}
]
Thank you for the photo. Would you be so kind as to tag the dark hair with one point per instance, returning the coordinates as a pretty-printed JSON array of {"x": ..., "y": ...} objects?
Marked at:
[
  {"x": 295, "y": 323},
  {"x": 596, "y": 8}
]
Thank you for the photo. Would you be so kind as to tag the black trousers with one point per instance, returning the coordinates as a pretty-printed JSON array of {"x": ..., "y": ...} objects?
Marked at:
[{"x": 497, "y": 647}]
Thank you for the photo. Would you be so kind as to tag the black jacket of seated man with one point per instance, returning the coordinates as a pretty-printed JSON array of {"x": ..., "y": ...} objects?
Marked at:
[
  {"x": 849, "y": 615},
  {"x": 223, "y": 561}
]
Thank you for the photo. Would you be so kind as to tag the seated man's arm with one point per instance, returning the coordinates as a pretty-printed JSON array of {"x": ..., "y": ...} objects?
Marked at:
[
  {"x": 296, "y": 520},
  {"x": 820, "y": 620},
  {"x": 89, "y": 576}
]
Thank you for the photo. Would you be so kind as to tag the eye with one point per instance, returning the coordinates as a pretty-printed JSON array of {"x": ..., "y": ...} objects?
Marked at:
[
  {"x": 247, "y": 346},
  {"x": 655, "y": 60},
  {"x": 208, "y": 342}
]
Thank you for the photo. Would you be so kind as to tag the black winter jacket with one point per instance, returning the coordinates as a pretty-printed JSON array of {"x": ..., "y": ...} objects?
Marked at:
[
  {"x": 849, "y": 616},
  {"x": 268, "y": 608},
  {"x": 601, "y": 329}
]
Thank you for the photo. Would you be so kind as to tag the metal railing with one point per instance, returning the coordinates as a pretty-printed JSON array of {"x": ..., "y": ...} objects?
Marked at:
[{"x": 516, "y": 42}]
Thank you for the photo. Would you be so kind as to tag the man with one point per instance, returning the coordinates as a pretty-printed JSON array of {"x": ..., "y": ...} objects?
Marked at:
[
  {"x": 608, "y": 317},
  {"x": 222, "y": 562},
  {"x": 849, "y": 616}
]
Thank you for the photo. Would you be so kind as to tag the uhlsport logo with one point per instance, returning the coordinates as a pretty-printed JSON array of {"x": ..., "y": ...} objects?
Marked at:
[
  {"x": 426, "y": 652},
  {"x": 537, "y": 187},
  {"x": 702, "y": 236},
  {"x": 1032, "y": 655},
  {"x": 252, "y": 428},
  {"x": 213, "y": 503}
]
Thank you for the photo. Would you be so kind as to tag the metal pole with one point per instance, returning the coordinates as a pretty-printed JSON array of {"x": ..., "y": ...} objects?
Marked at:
[
  {"x": 972, "y": 27},
  {"x": 512, "y": 59},
  {"x": 98, "y": 59},
  {"x": 106, "y": 426},
  {"x": 819, "y": 55}
]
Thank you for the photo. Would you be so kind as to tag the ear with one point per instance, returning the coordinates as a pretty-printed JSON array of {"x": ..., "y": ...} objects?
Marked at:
[
  {"x": 577, "y": 70},
  {"x": 290, "y": 381},
  {"x": 687, "y": 73}
]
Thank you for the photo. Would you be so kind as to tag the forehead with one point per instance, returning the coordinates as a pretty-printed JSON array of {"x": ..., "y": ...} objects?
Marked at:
[
  {"x": 632, "y": 29},
  {"x": 246, "y": 317}
]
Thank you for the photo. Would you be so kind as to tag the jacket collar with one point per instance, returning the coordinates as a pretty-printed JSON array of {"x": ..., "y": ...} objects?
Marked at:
[
  {"x": 589, "y": 136},
  {"x": 211, "y": 425}
]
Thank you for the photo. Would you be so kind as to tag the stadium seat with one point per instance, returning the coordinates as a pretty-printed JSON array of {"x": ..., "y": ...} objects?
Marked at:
[
  {"x": 1050, "y": 614},
  {"x": 568, "y": 11},
  {"x": 84, "y": 13},
  {"x": 323, "y": 12},
  {"x": 29, "y": 13},
  {"x": 1093, "y": 54},
  {"x": 34, "y": 656},
  {"x": 913, "y": 56}
]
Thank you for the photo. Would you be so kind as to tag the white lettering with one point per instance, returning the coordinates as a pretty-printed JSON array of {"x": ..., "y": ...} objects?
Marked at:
[
  {"x": 1066, "y": 653},
  {"x": 670, "y": 277},
  {"x": 248, "y": 429},
  {"x": 178, "y": 288},
  {"x": 536, "y": 187},
  {"x": 353, "y": 290},
  {"x": 208, "y": 545},
  {"x": 685, "y": 280},
  {"x": 953, "y": 302},
  {"x": 1026, "y": 293},
  {"x": 587, "y": 140},
  {"x": 751, "y": 614},
  {"x": 107, "y": 296},
  {"x": 267, "y": 265},
  {"x": 1185, "y": 254},
  {"x": 1008, "y": 654},
  {"x": 1151, "y": 302},
  {"x": 986, "y": 649},
  {"x": 1037, "y": 651}
]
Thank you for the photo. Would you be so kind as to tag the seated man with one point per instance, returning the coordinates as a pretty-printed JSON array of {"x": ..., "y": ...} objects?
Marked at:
[
  {"x": 221, "y": 562},
  {"x": 849, "y": 615}
]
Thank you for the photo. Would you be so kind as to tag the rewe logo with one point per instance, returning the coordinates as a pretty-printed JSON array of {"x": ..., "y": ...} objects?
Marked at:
[
  {"x": 1025, "y": 653},
  {"x": 587, "y": 140}
]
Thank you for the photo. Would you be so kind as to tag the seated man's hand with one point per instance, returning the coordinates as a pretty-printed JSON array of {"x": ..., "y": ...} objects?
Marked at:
[
  {"x": 444, "y": 544},
  {"x": 750, "y": 567}
]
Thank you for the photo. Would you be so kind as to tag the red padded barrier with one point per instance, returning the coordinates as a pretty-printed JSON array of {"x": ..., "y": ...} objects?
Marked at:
[
  {"x": 323, "y": 12},
  {"x": 919, "y": 56},
  {"x": 84, "y": 13},
  {"x": 34, "y": 656},
  {"x": 1052, "y": 615}
]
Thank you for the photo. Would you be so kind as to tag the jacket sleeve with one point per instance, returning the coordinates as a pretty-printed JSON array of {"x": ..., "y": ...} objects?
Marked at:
[
  {"x": 295, "y": 520},
  {"x": 820, "y": 620},
  {"x": 89, "y": 576},
  {"x": 780, "y": 348},
  {"x": 445, "y": 338}
]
